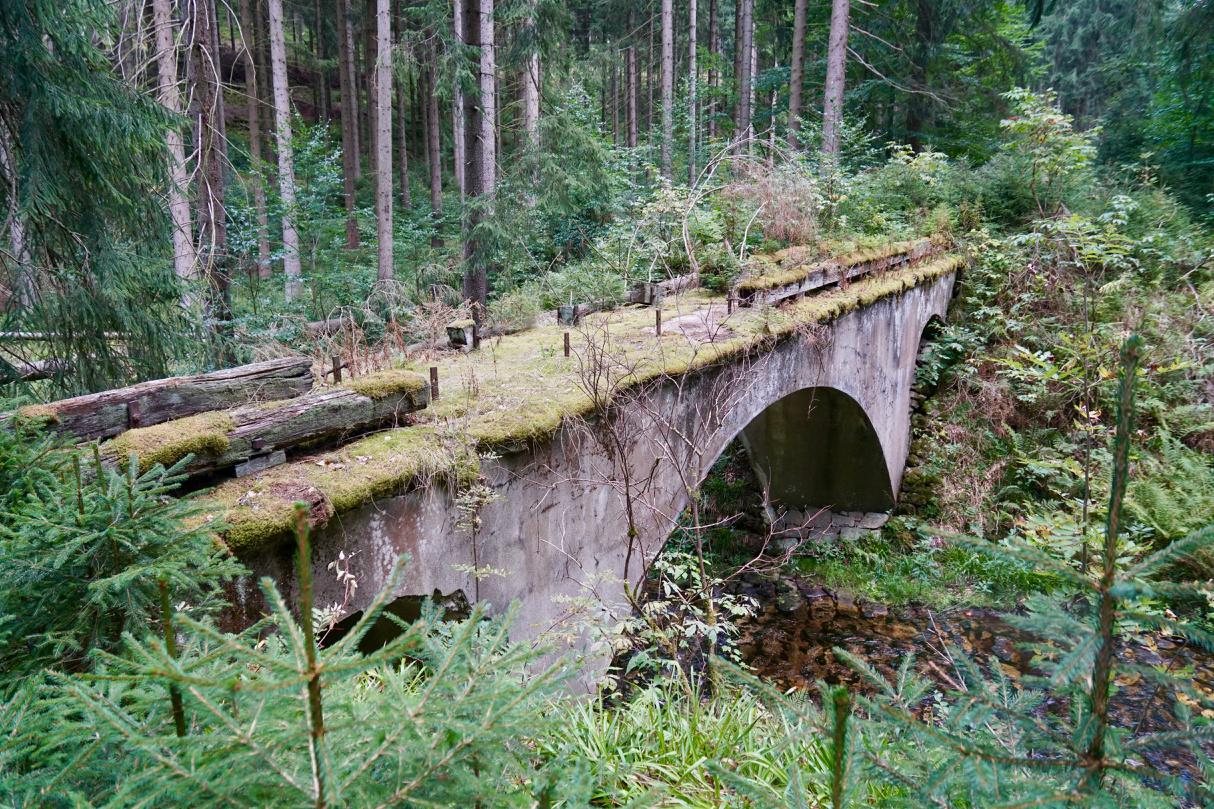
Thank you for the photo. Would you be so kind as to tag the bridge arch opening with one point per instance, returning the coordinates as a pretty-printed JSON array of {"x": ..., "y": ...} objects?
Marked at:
[{"x": 817, "y": 448}]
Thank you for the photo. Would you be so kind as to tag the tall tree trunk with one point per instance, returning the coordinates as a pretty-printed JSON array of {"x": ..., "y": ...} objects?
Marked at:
[
  {"x": 434, "y": 150},
  {"x": 252, "y": 89},
  {"x": 370, "y": 50},
  {"x": 836, "y": 68},
  {"x": 649, "y": 84},
  {"x": 630, "y": 68},
  {"x": 185, "y": 260},
  {"x": 356, "y": 139},
  {"x": 383, "y": 137},
  {"x": 265, "y": 84},
  {"x": 615, "y": 99},
  {"x": 745, "y": 61},
  {"x": 752, "y": 75},
  {"x": 531, "y": 97},
  {"x": 916, "y": 106},
  {"x": 322, "y": 74},
  {"x": 349, "y": 120},
  {"x": 480, "y": 177},
  {"x": 402, "y": 120},
  {"x": 458, "y": 125},
  {"x": 667, "y": 87},
  {"x": 692, "y": 82},
  {"x": 212, "y": 165},
  {"x": 286, "y": 157},
  {"x": 714, "y": 76},
  {"x": 797, "y": 73}
]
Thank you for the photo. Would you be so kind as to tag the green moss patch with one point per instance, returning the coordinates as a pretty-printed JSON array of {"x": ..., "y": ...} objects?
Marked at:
[
  {"x": 168, "y": 443},
  {"x": 519, "y": 389},
  {"x": 38, "y": 415},
  {"x": 793, "y": 266},
  {"x": 383, "y": 384}
]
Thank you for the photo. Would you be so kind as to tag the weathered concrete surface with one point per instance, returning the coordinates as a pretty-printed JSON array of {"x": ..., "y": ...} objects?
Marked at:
[{"x": 559, "y": 528}]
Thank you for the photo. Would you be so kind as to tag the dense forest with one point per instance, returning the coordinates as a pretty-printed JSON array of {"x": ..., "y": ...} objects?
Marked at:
[{"x": 189, "y": 187}]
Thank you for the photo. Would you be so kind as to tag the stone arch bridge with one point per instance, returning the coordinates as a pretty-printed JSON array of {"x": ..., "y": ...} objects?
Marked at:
[
  {"x": 822, "y": 402},
  {"x": 556, "y": 458}
]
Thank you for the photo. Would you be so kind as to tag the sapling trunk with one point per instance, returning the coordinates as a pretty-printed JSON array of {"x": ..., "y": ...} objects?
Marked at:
[
  {"x": 1102, "y": 672},
  {"x": 170, "y": 645},
  {"x": 840, "y": 705},
  {"x": 315, "y": 708}
]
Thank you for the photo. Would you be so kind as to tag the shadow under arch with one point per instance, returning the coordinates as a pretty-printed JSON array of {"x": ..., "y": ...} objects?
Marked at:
[{"x": 817, "y": 447}]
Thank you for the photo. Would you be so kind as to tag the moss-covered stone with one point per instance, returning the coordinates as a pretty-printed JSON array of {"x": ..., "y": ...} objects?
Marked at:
[
  {"x": 168, "y": 443},
  {"x": 396, "y": 382}
]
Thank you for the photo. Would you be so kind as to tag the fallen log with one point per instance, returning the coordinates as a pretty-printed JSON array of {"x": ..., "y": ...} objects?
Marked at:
[
  {"x": 35, "y": 370},
  {"x": 223, "y": 439},
  {"x": 112, "y": 412}
]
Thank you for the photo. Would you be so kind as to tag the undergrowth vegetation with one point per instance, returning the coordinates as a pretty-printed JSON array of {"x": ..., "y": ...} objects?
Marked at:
[{"x": 1030, "y": 484}]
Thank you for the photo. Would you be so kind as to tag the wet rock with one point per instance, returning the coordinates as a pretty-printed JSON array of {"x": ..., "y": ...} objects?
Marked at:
[
  {"x": 845, "y": 604},
  {"x": 873, "y": 520},
  {"x": 813, "y": 591},
  {"x": 1149, "y": 658},
  {"x": 876, "y": 612},
  {"x": 822, "y": 609},
  {"x": 794, "y": 518},
  {"x": 789, "y": 601},
  {"x": 1002, "y": 649}
]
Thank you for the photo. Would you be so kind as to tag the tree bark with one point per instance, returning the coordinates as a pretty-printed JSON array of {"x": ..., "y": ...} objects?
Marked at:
[
  {"x": 692, "y": 81},
  {"x": 322, "y": 76},
  {"x": 255, "y": 136},
  {"x": 211, "y": 171},
  {"x": 185, "y": 260},
  {"x": 402, "y": 120},
  {"x": 458, "y": 127},
  {"x": 349, "y": 119},
  {"x": 480, "y": 139},
  {"x": 797, "y": 72},
  {"x": 531, "y": 79},
  {"x": 370, "y": 56},
  {"x": 286, "y": 157},
  {"x": 667, "y": 87},
  {"x": 631, "y": 79},
  {"x": 383, "y": 137},
  {"x": 714, "y": 78},
  {"x": 836, "y": 68},
  {"x": 744, "y": 61},
  {"x": 355, "y": 105},
  {"x": 434, "y": 150}
]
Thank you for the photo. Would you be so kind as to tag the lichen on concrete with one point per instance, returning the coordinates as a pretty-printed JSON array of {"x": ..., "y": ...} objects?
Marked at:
[
  {"x": 519, "y": 389},
  {"x": 382, "y": 384},
  {"x": 168, "y": 443}
]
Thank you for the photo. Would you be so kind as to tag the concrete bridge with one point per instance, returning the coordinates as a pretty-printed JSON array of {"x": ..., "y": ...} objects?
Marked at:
[{"x": 574, "y": 497}]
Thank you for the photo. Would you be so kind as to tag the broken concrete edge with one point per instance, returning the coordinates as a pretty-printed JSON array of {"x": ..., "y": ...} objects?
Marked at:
[{"x": 258, "y": 511}]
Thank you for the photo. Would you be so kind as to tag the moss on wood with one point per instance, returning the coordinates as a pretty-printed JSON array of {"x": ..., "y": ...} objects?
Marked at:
[
  {"x": 38, "y": 415},
  {"x": 519, "y": 389},
  {"x": 794, "y": 269},
  {"x": 168, "y": 443},
  {"x": 383, "y": 384}
]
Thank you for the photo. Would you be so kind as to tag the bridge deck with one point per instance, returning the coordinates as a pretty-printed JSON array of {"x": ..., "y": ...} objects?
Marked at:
[{"x": 519, "y": 388}]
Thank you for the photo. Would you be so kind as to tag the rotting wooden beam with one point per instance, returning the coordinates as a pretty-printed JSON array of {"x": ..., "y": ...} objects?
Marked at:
[
  {"x": 262, "y": 432},
  {"x": 107, "y": 414},
  {"x": 826, "y": 273}
]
